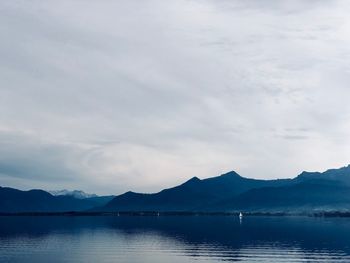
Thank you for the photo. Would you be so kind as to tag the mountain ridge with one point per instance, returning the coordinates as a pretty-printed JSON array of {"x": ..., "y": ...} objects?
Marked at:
[
  {"x": 36, "y": 200},
  {"x": 228, "y": 192}
]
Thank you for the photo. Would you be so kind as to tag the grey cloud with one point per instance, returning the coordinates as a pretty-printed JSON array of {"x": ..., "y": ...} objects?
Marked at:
[
  {"x": 294, "y": 137},
  {"x": 28, "y": 157}
]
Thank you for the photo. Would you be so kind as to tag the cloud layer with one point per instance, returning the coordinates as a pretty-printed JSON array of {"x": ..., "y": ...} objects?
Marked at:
[{"x": 108, "y": 96}]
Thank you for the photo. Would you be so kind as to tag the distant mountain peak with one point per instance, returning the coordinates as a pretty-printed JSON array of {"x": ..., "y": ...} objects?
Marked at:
[
  {"x": 231, "y": 173},
  {"x": 193, "y": 180},
  {"x": 342, "y": 169},
  {"x": 305, "y": 174},
  {"x": 130, "y": 193},
  {"x": 75, "y": 193},
  {"x": 340, "y": 174}
]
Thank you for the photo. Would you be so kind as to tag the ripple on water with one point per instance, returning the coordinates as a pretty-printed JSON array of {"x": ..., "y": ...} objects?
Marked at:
[{"x": 174, "y": 240}]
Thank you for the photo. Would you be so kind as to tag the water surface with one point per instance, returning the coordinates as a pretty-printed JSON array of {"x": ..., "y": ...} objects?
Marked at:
[{"x": 174, "y": 239}]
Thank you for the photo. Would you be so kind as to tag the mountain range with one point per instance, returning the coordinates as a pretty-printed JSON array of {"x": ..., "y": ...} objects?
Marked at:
[
  {"x": 16, "y": 201},
  {"x": 308, "y": 191},
  {"x": 230, "y": 192}
]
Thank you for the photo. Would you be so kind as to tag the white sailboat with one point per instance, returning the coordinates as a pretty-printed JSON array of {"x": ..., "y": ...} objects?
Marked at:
[{"x": 240, "y": 215}]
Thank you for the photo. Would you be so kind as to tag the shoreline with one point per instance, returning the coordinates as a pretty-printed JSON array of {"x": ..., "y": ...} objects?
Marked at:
[{"x": 174, "y": 213}]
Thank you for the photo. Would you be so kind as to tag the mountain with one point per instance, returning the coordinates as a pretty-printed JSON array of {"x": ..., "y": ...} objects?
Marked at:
[
  {"x": 313, "y": 194},
  {"x": 231, "y": 192},
  {"x": 309, "y": 191},
  {"x": 194, "y": 194},
  {"x": 75, "y": 193},
  {"x": 341, "y": 175},
  {"x": 13, "y": 200}
]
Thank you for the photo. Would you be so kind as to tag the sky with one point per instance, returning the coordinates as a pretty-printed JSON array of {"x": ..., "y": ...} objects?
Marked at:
[{"x": 110, "y": 96}]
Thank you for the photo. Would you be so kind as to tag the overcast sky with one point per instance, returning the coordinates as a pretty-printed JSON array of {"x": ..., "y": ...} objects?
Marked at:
[{"x": 110, "y": 96}]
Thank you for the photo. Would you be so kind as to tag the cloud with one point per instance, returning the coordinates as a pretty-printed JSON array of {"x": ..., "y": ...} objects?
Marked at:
[
  {"x": 110, "y": 96},
  {"x": 27, "y": 157}
]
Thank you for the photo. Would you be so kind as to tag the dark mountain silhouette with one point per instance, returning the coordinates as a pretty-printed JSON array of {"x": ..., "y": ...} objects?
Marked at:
[
  {"x": 13, "y": 200},
  {"x": 329, "y": 190},
  {"x": 341, "y": 174},
  {"x": 194, "y": 194},
  {"x": 313, "y": 194},
  {"x": 229, "y": 192}
]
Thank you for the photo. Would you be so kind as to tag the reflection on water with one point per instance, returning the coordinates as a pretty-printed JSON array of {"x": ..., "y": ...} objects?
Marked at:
[{"x": 174, "y": 239}]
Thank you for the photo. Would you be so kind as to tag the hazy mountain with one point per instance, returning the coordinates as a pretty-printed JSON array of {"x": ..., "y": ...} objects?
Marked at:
[
  {"x": 75, "y": 193},
  {"x": 13, "y": 200}
]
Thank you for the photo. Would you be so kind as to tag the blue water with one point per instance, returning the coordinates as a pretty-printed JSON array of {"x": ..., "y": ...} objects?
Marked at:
[{"x": 174, "y": 239}]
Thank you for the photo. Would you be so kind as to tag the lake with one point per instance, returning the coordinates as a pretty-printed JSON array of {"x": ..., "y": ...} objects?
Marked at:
[{"x": 174, "y": 239}]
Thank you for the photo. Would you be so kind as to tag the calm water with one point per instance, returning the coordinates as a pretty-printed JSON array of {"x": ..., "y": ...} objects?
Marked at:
[{"x": 174, "y": 239}]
